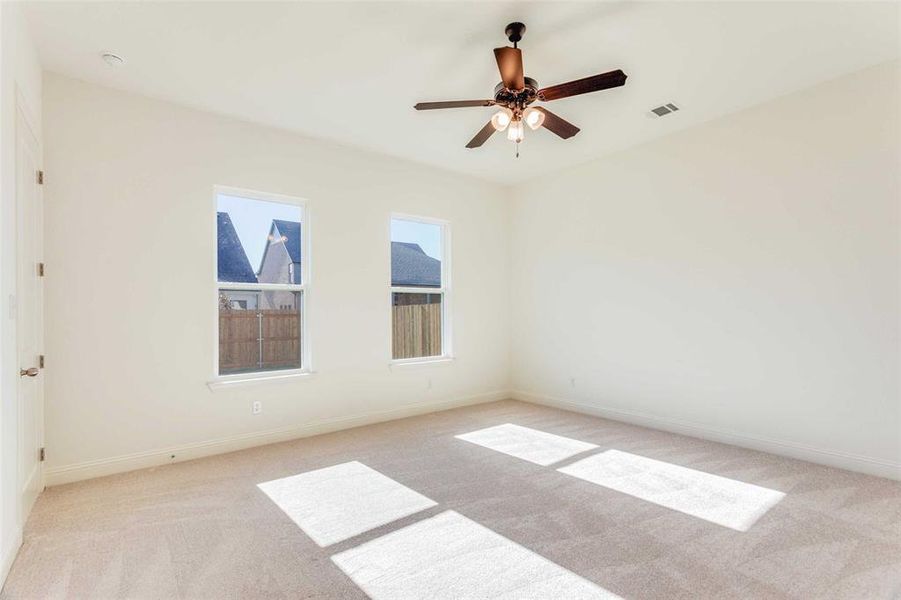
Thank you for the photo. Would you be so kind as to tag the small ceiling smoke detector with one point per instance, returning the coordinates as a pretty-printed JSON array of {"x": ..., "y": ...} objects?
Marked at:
[
  {"x": 112, "y": 59},
  {"x": 665, "y": 109}
]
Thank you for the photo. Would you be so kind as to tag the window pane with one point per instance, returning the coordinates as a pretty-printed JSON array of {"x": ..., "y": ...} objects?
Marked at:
[
  {"x": 415, "y": 254},
  {"x": 417, "y": 325},
  {"x": 259, "y": 242},
  {"x": 259, "y": 331}
]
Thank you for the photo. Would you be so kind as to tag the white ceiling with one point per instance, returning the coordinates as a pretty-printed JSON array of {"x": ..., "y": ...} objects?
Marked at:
[{"x": 351, "y": 72}]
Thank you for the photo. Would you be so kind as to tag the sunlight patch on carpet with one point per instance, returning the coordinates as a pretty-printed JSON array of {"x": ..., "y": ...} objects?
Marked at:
[
  {"x": 339, "y": 502},
  {"x": 449, "y": 556},
  {"x": 720, "y": 500},
  {"x": 535, "y": 446}
]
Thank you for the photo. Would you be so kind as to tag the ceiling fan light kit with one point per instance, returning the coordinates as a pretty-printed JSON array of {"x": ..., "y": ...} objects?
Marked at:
[
  {"x": 533, "y": 117},
  {"x": 502, "y": 118},
  {"x": 516, "y": 92},
  {"x": 515, "y": 131}
]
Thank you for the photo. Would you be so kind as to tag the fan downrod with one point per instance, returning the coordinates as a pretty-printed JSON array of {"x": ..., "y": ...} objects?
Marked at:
[{"x": 515, "y": 32}]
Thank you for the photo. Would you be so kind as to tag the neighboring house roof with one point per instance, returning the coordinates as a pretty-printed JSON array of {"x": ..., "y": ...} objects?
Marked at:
[
  {"x": 232, "y": 262},
  {"x": 291, "y": 231},
  {"x": 410, "y": 266}
]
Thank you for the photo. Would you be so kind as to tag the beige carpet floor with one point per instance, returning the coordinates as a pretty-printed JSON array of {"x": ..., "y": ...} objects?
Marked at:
[{"x": 203, "y": 529}]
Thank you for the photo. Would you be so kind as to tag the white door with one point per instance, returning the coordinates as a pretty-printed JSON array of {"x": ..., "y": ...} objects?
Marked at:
[{"x": 29, "y": 310}]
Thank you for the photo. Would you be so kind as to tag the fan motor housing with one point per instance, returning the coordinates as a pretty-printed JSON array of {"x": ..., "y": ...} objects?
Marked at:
[{"x": 513, "y": 99}]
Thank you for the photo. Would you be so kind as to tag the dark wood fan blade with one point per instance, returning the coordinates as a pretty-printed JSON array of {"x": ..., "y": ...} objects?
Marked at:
[
  {"x": 583, "y": 86},
  {"x": 453, "y": 104},
  {"x": 509, "y": 63},
  {"x": 555, "y": 124},
  {"x": 482, "y": 136}
]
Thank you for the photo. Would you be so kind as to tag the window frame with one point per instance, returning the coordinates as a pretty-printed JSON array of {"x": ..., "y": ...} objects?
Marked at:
[
  {"x": 303, "y": 287},
  {"x": 444, "y": 290}
]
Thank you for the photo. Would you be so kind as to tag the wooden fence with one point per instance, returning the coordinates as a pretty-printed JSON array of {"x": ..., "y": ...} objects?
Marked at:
[
  {"x": 417, "y": 330},
  {"x": 243, "y": 334}
]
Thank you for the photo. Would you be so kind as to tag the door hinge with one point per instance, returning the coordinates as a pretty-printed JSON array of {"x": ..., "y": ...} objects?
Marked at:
[
  {"x": 40, "y": 269},
  {"x": 43, "y": 454},
  {"x": 41, "y": 361},
  {"x": 40, "y": 177}
]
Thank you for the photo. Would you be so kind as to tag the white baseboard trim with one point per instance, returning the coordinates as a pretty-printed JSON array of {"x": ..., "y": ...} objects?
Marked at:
[
  {"x": 9, "y": 555},
  {"x": 832, "y": 458},
  {"x": 163, "y": 456}
]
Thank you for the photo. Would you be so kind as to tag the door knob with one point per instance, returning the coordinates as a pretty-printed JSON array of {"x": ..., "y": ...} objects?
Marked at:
[{"x": 32, "y": 372}]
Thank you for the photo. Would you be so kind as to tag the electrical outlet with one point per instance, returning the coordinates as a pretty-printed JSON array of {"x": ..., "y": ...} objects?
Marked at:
[{"x": 256, "y": 408}]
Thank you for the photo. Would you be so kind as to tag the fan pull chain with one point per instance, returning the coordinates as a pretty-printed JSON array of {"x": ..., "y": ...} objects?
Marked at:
[{"x": 517, "y": 149}]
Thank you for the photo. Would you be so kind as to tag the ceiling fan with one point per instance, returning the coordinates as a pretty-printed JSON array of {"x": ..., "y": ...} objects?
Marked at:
[{"x": 516, "y": 92}]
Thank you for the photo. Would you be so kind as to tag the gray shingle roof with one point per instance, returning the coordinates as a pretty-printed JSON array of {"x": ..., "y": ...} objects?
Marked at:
[
  {"x": 410, "y": 266},
  {"x": 232, "y": 262},
  {"x": 290, "y": 230}
]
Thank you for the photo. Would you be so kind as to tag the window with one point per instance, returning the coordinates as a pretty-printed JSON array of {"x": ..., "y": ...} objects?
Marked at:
[
  {"x": 262, "y": 278},
  {"x": 419, "y": 289}
]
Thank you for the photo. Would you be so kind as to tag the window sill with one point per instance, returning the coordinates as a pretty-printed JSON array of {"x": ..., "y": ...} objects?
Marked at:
[
  {"x": 423, "y": 362},
  {"x": 226, "y": 382}
]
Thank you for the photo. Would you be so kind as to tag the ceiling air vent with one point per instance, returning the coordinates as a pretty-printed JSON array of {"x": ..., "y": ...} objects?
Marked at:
[{"x": 665, "y": 109}]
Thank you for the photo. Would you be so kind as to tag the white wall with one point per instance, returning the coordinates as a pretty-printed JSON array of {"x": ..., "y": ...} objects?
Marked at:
[
  {"x": 130, "y": 288},
  {"x": 738, "y": 281},
  {"x": 20, "y": 75}
]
